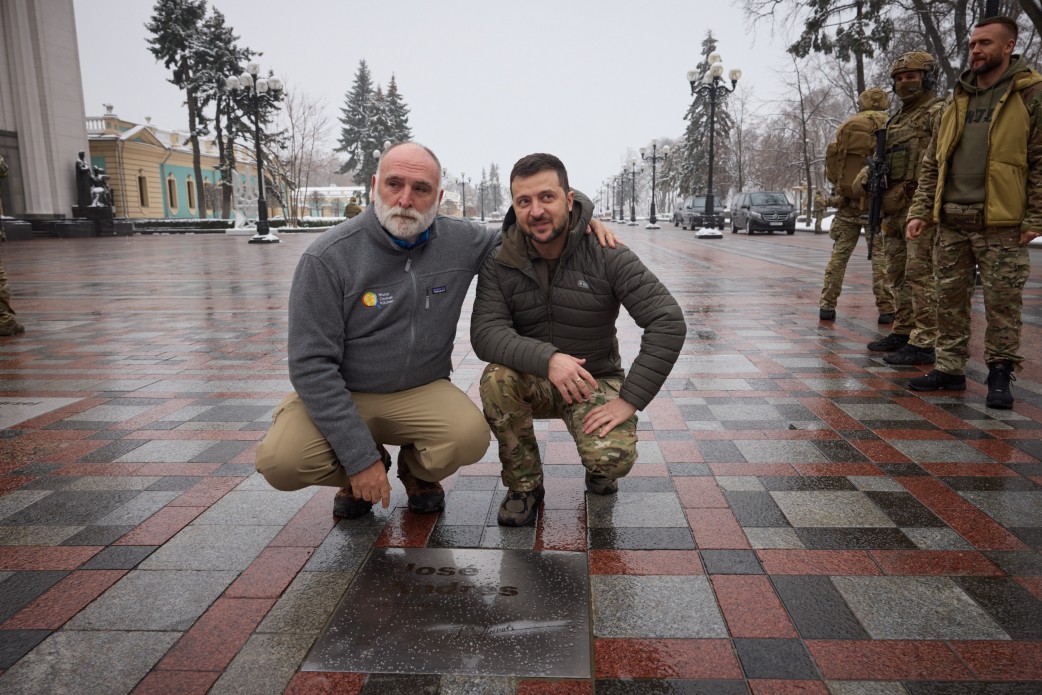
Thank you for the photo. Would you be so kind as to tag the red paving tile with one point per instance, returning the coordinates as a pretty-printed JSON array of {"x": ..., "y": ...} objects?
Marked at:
[
  {"x": 310, "y": 526},
  {"x": 315, "y": 683},
  {"x": 161, "y": 526},
  {"x": 1032, "y": 584},
  {"x": 750, "y": 606},
  {"x": 176, "y": 683},
  {"x": 217, "y": 636},
  {"x": 699, "y": 492},
  {"x": 270, "y": 573},
  {"x": 888, "y": 660},
  {"x": 63, "y": 600},
  {"x": 680, "y": 452},
  {"x": 665, "y": 658},
  {"x": 944, "y": 468},
  {"x": 645, "y": 562},
  {"x": 769, "y": 469},
  {"x": 561, "y": 529},
  {"x": 980, "y": 530},
  {"x": 835, "y": 469},
  {"x": 13, "y": 482},
  {"x": 1002, "y": 661},
  {"x": 405, "y": 529},
  {"x": 819, "y": 562},
  {"x": 177, "y": 468},
  {"x": 205, "y": 492},
  {"x": 879, "y": 451},
  {"x": 937, "y": 563},
  {"x": 46, "y": 557},
  {"x": 716, "y": 529}
]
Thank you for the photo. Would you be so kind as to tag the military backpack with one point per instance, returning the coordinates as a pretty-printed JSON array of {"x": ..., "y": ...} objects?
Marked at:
[{"x": 845, "y": 156}]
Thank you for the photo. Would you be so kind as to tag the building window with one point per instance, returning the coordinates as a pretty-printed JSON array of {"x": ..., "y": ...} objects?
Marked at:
[
  {"x": 190, "y": 189},
  {"x": 171, "y": 192},
  {"x": 142, "y": 191}
]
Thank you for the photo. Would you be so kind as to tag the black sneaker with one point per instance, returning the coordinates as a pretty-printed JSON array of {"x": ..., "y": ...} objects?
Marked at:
[
  {"x": 601, "y": 484},
  {"x": 910, "y": 354},
  {"x": 1000, "y": 374},
  {"x": 518, "y": 508},
  {"x": 826, "y": 314},
  {"x": 891, "y": 343},
  {"x": 885, "y": 319},
  {"x": 938, "y": 381}
]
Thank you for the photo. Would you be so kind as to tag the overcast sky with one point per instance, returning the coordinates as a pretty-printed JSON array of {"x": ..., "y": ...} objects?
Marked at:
[{"x": 487, "y": 81}]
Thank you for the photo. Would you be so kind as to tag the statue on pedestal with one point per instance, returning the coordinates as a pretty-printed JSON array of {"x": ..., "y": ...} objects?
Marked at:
[
  {"x": 101, "y": 194},
  {"x": 83, "y": 182}
]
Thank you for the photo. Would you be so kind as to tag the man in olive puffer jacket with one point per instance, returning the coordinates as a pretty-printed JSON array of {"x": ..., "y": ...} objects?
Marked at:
[{"x": 544, "y": 318}]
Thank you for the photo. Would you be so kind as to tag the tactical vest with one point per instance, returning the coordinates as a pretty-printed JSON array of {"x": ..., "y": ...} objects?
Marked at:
[{"x": 907, "y": 135}]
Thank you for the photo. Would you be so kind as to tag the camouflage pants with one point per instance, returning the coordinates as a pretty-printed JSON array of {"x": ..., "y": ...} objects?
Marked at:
[
  {"x": 6, "y": 312},
  {"x": 512, "y": 400},
  {"x": 1004, "y": 267},
  {"x": 845, "y": 231},
  {"x": 910, "y": 272}
]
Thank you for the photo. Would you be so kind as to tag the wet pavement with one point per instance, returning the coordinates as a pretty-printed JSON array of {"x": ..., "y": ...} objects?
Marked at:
[{"x": 798, "y": 521}]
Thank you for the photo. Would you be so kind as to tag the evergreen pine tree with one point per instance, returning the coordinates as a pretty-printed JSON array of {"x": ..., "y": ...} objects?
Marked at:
[
  {"x": 379, "y": 131},
  {"x": 355, "y": 120},
  {"x": 176, "y": 26},
  {"x": 496, "y": 186},
  {"x": 398, "y": 113}
]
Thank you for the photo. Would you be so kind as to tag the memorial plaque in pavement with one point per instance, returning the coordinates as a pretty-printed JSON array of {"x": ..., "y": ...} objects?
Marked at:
[{"x": 474, "y": 612}]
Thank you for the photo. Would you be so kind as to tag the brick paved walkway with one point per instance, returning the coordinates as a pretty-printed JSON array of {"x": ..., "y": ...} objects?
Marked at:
[{"x": 834, "y": 531}]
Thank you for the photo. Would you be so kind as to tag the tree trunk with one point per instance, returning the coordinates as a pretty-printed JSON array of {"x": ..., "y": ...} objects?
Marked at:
[
  {"x": 193, "y": 135},
  {"x": 1033, "y": 9}
]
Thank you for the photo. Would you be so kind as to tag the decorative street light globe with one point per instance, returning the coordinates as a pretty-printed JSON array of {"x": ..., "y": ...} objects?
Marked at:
[{"x": 653, "y": 158}]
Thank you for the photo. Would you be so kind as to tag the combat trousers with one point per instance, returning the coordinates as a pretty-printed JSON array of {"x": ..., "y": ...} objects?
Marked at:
[
  {"x": 440, "y": 422},
  {"x": 1004, "y": 267},
  {"x": 845, "y": 231},
  {"x": 910, "y": 273},
  {"x": 513, "y": 399},
  {"x": 7, "y": 317}
]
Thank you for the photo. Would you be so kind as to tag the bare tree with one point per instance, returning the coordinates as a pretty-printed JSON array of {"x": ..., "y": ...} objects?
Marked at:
[{"x": 307, "y": 132}]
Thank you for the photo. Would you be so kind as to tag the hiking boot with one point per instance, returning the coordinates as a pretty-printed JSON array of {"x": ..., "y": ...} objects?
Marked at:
[
  {"x": 826, "y": 314},
  {"x": 12, "y": 328},
  {"x": 938, "y": 381},
  {"x": 346, "y": 505},
  {"x": 424, "y": 497},
  {"x": 518, "y": 508},
  {"x": 601, "y": 484},
  {"x": 1000, "y": 374},
  {"x": 911, "y": 354},
  {"x": 885, "y": 319},
  {"x": 891, "y": 343}
]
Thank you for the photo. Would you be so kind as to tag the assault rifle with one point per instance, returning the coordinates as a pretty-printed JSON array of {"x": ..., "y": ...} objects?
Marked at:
[{"x": 876, "y": 187}]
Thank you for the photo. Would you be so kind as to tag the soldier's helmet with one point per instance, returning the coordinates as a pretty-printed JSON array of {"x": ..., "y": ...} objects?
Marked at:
[
  {"x": 873, "y": 99},
  {"x": 914, "y": 60}
]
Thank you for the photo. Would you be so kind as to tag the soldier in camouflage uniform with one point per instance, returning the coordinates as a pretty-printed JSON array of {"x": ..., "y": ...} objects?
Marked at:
[
  {"x": 544, "y": 318},
  {"x": 819, "y": 210},
  {"x": 981, "y": 183},
  {"x": 849, "y": 220},
  {"x": 909, "y": 263},
  {"x": 8, "y": 324}
]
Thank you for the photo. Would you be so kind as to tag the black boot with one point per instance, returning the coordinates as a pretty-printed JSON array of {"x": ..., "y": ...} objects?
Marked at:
[
  {"x": 1000, "y": 374},
  {"x": 911, "y": 354},
  {"x": 890, "y": 343},
  {"x": 938, "y": 381}
]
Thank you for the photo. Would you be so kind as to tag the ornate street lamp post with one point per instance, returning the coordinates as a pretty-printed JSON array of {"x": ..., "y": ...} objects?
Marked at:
[
  {"x": 256, "y": 86},
  {"x": 653, "y": 159},
  {"x": 462, "y": 183},
  {"x": 633, "y": 191},
  {"x": 711, "y": 84}
]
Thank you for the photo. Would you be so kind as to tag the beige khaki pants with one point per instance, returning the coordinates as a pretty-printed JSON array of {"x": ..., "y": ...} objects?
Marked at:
[{"x": 443, "y": 426}]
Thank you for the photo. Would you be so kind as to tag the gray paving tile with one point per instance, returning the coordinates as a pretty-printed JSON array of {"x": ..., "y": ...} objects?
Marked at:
[
  {"x": 780, "y": 451},
  {"x": 67, "y": 662},
  {"x": 731, "y": 562},
  {"x": 201, "y": 547},
  {"x": 71, "y": 507},
  {"x": 875, "y": 483},
  {"x": 735, "y": 483},
  {"x": 937, "y": 539},
  {"x": 926, "y": 450},
  {"x": 153, "y": 600},
  {"x": 916, "y": 608},
  {"x": 19, "y": 588},
  {"x": 832, "y": 508},
  {"x": 307, "y": 603},
  {"x": 817, "y": 609},
  {"x": 166, "y": 451},
  {"x": 519, "y": 538},
  {"x": 772, "y": 537},
  {"x": 775, "y": 659},
  {"x": 865, "y": 688},
  {"x": 138, "y": 509},
  {"x": 14, "y": 644},
  {"x": 655, "y": 607},
  {"x": 18, "y": 500},
  {"x": 822, "y": 538},
  {"x": 344, "y": 549},
  {"x": 640, "y": 539},
  {"x": 756, "y": 509},
  {"x": 1014, "y": 608},
  {"x": 119, "y": 557},
  {"x": 112, "y": 482},
  {"x": 98, "y": 535},
  {"x": 264, "y": 666},
  {"x": 1011, "y": 509},
  {"x": 241, "y": 508},
  {"x": 878, "y": 411},
  {"x": 36, "y": 535},
  {"x": 222, "y": 452},
  {"x": 174, "y": 482},
  {"x": 635, "y": 510}
]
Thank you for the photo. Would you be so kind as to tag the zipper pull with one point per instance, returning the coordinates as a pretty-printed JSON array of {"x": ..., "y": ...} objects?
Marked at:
[
  {"x": 408, "y": 263},
  {"x": 427, "y": 300}
]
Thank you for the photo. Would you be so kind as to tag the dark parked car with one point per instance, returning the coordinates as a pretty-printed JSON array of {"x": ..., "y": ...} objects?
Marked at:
[
  {"x": 691, "y": 214},
  {"x": 763, "y": 211}
]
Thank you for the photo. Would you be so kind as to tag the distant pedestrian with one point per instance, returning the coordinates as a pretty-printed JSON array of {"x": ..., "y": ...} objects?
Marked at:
[
  {"x": 8, "y": 324},
  {"x": 981, "y": 183}
]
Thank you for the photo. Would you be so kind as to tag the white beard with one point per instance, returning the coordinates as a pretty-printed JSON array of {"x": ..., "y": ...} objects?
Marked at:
[{"x": 403, "y": 223}]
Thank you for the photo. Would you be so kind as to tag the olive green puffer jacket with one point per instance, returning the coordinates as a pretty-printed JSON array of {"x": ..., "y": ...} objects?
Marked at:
[{"x": 517, "y": 324}]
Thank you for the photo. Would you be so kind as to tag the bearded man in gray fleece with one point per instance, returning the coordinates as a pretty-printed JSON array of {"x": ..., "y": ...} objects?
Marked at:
[{"x": 372, "y": 319}]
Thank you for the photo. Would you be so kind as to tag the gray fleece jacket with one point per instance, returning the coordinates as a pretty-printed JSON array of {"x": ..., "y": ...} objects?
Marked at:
[{"x": 367, "y": 315}]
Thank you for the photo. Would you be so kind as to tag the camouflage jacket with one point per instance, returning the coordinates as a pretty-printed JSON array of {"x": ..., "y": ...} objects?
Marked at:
[{"x": 1013, "y": 182}]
